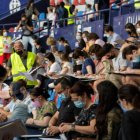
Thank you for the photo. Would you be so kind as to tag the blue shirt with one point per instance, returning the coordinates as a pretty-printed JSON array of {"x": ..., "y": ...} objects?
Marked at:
[{"x": 88, "y": 62}]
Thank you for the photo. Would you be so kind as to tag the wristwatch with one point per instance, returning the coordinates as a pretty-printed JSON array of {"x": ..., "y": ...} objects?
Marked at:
[{"x": 72, "y": 127}]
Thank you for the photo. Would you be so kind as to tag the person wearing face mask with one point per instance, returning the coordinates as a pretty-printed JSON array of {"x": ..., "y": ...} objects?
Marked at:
[
  {"x": 89, "y": 11},
  {"x": 44, "y": 109},
  {"x": 27, "y": 32},
  {"x": 109, "y": 113},
  {"x": 111, "y": 35},
  {"x": 88, "y": 66},
  {"x": 138, "y": 28},
  {"x": 5, "y": 46},
  {"x": 67, "y": 112},
  {"x": 21, "y": 61},
  {"x": 80, "y": 42},
  {"x": 129, "y": 96},
  {"x": 131, "y": 30},
  {"x": 64, "y": 45},
  {"x": 16, "y": 108},
  {"x": 84, "y": 126}
]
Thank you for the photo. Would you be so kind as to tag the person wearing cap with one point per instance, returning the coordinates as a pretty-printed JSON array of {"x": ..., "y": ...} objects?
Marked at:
[{"x": 21, "y": 61}]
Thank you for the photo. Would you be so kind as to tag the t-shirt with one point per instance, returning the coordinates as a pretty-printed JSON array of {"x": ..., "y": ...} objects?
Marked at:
[
  {"x": 25, "y": 30},
  {"x": 119, "y": 62},
  {"x": 29, "y": 103},
  {"x": 55, "y": 68},
  {"x": 67, "y": 112},
  {"x": 136, "y": 63},
  {"x": 113, "y": 38},
  {"x": 84, "y": 118},
  {"x": 47, "y": 110},
  {"x": 69, "y": 66},
  {"x": 88, "y": 62},
  {"x": 103, "y": 4}
]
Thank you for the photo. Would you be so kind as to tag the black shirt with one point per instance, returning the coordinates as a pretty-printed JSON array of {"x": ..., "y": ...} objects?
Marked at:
[
  {"x": 103, "y": 4},
  {"x": 130, "y": 127},
  {"x": 67, "y": 49},
  {"x": 67, "y": 112},
  {"x": 40, "y": 50}
]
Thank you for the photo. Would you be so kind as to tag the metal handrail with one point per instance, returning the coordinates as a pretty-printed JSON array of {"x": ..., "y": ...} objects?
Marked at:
[{"x": 23, "y": 6}]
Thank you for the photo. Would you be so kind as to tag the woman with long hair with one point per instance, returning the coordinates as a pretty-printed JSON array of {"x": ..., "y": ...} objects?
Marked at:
[
  {"x": 131, "y": 30},
  {"x": 108, "y": 117},
  {"x": 129, "y": 97}
]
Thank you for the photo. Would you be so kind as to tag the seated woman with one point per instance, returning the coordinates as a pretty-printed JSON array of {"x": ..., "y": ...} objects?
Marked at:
[
  {"x": 84, "y": 126},
  {"x": 109, "y": 113},
  {"x": 44, "y": 108},
  {"x": 53, "y": 68},
  {"x": 129, "y": 97},
  {"x": 67, "y": 67},
  {"x": 88, "y": 66}
]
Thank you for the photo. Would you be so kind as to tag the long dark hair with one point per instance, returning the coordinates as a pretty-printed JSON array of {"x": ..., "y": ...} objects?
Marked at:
[
  {"x": 107, "y": 101},
  {"x": 132, "y": 29},
  {"x": 29, "y": 3},
  {"x": 80, "y": 88},
  {"x": 37, "y": 91},
  {"x": 131, "y": 94}
]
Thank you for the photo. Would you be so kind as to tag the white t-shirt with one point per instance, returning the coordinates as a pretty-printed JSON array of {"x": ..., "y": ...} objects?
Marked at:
[
  {"x": 69, "y": 66},
  {"x": 51, "y": 16},
  {"x": 55, "y": 68}
]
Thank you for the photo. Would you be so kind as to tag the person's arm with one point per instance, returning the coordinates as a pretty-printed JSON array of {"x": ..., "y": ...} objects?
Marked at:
[
  {"x": 19, "y": 25},
  {"x": 81, "y": 129},
  {"x": 64, "y": 70},
  {"x": 54, "y": 119},
  {"x": 89, "y": 69},
  {"x": 30, "y": 28}
]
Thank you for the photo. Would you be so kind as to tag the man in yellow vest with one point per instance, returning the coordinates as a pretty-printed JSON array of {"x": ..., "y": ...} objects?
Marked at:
[
  {"x": 21, "y": 61},
  {"x": 70, "y": 15},
  {"x": 1, "y": 50},
  {"x": 137, "y": 4}
]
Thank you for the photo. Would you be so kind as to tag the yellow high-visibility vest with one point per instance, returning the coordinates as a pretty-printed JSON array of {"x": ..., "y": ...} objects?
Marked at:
[
  {"x": 70, "y": 21},
  {"x": 137, "y": 5},
  {"x": 1, "y": 45},
  {"x": 18, "y": 66}
]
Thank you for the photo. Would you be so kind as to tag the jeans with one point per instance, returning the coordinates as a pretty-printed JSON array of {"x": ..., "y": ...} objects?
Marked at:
[{"x": 26, "y": 40}]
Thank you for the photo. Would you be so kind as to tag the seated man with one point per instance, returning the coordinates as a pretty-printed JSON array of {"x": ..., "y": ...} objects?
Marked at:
[
  {"x": 67, "y": 112},
  {"x": 131, "y": 53}
]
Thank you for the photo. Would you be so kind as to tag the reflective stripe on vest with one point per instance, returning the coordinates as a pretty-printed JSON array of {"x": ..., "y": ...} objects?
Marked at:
[
  {"x": 70, "y": 21},
  {"x": 137, "y": 5},
  {"x": 1, "y": 45},
  {"x": 17, "y": 66}
]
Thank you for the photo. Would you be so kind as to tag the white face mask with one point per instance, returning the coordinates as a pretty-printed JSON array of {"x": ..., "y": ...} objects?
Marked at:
[
  {"x": 78, "y": 37},
  {"x": 5, "y": 34},
  {"x": 138, "y": 30},
  {"x": 85, "y": 39},
  {"x": 79, "y": 62}
]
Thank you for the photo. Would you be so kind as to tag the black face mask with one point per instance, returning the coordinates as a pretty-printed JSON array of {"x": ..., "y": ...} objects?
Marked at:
[
  {"x": 20, "y": 96},
  {"x": 112, "y": 56},
  {"x": 129, "y": 32},
  {"x": 19, "y": 52}
]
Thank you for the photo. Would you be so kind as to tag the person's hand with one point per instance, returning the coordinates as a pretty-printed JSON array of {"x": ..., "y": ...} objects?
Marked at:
[
  {"x": 3, "y": 117},
  {"x": 52, "y": 130},
  {"x": 64, "y": 128},
  {"x": 96, "y": 14},
  {"x": 30, "y": 121}
]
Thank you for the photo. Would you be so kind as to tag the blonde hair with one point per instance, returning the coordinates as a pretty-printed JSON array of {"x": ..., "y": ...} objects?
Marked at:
[{"x": 51, "y": 41}]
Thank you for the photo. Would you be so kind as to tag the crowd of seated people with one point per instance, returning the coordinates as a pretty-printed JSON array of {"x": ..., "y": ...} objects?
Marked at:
[{"x": 90, "y": 92}]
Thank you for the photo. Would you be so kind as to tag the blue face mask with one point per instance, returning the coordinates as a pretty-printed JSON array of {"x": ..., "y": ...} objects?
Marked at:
[
  {"x": 123, "y": 109},
  {"x": 63, "y": 96},
  {"x": 96, "y": 102},
  {"x": 79, "y": 104}
]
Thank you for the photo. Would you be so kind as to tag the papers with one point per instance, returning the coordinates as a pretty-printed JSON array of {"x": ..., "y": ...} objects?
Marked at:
[
  {"x": 125, "y": 73},
  {"x": 28, "y": 74},
  {"x": 121, "y": 42}
]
